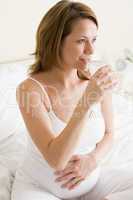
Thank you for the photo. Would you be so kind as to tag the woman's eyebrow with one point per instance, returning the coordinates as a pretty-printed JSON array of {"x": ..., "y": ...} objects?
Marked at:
[{"x": 84, "y": 36}]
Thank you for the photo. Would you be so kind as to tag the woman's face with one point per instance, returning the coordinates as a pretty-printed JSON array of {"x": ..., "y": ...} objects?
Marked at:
[{"x": 78, "y": 46}]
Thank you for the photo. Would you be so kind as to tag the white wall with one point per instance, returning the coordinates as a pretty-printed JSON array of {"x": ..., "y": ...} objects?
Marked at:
[
  {"x": 18, "y": 23},
  {"x": 116, "y": 25},
  {"x": 19, "y": 20}
]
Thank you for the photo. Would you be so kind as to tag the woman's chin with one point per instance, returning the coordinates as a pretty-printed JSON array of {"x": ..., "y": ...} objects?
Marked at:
[{"x": 84, "y": 73}]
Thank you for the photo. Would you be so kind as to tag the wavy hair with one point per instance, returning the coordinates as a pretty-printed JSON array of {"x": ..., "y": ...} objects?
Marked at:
[{"x": 57, "y": 24}]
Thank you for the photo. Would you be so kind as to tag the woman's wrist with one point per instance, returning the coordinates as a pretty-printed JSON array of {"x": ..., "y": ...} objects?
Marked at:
[
  {"x": 95, "y": 157},
  {"x": 85, "y": 104}
]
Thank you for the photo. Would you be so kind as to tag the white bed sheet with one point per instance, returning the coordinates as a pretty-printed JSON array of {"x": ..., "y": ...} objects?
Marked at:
[{"x": 12, "y": 148}]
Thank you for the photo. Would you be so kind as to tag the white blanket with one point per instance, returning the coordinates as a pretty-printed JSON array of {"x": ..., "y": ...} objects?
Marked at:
[
  {"x": 11, "y": 152},
  {"x": 5, "y": 183},
  {"x": 12, "y": 148},
  {"x": 122, "y": 151}
]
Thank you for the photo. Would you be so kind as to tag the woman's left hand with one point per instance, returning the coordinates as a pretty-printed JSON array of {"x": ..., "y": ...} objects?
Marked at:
[{"x": 77, "y": 169}]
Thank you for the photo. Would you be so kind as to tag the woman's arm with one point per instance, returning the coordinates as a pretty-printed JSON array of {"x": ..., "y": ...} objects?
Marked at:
[
  {"x": 58, "y": 149},
  {"x": 69, "y": 138},
  {"x": 81, "y": 166},
  {"x": 104, "y": 146}
]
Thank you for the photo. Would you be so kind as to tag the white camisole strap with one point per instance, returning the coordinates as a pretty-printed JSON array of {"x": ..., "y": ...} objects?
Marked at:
[{"x": 49, "y": 107}]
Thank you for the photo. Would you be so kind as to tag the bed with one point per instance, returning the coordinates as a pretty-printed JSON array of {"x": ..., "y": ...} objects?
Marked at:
[{"x": 12, "y": 128}]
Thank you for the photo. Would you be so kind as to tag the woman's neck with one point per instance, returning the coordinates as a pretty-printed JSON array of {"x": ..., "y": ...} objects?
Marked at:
[{"x": 66, "y": 78}]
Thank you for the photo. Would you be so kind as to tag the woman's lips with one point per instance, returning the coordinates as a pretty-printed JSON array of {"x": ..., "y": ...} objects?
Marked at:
[
  {"x": 85, "y": 61},
  {"x": 84, "y": 64},
  {"x": 84, "y": 71}
]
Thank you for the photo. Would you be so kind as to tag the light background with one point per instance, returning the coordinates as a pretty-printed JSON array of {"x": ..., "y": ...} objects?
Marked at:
[{"x": 19, "y": 20}]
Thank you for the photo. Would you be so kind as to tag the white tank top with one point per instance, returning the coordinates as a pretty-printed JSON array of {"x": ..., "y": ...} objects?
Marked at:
[{"x": 36, "y": 169}]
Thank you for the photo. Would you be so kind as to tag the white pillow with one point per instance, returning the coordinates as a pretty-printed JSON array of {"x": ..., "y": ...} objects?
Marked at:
[{"x": 10, "y": 76}]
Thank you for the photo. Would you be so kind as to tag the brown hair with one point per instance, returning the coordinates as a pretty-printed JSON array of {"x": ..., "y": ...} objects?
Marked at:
[{"x": 53, "y": 28}]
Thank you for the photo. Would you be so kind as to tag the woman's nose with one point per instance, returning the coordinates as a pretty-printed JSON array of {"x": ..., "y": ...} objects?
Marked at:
[{"x": 89, "y": 48}]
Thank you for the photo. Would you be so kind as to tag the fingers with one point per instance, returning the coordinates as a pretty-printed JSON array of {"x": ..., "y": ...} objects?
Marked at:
[
  {"x": 75, "y": 184},
  {"x": 105, "y": 78},
  {"x": 65, "y": 171},
  {"x": 102, "y": 70},
  {"x": 109, "y": 82},
  {"x": 65, "y": 177},
  {"x": 110, "y": 85},
  {"x": 69, "y": 167},
  {"x": 68, "y": 173},
  {"x": 71, "y": 176},
  {"x": 71, "y": 184},
  {"x": 73, "y": 169},
  {"x": 75, "y": 158}
]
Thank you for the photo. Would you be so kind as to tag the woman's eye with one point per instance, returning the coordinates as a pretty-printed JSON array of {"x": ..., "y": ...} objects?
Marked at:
[{"x": 81, "y": 41}]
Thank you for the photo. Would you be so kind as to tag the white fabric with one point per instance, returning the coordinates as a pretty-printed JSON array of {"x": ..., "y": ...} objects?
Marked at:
[
  {"x": 11, "y": 75},
  {"x": 37, "y": 175},
  {"x": 112, "y": 184},
  {"x": 36, "y": 170},
  {"x": 11, "y": 152},
  {"x": 5, "y": 183},
  {"x": 126, "y": 194},
  {"x": 29, "y": 191},
  {"x": 11, "y": 125}
]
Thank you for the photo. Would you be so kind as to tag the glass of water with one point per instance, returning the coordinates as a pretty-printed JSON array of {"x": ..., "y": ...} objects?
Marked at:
[{"x": 94, "y": 65}]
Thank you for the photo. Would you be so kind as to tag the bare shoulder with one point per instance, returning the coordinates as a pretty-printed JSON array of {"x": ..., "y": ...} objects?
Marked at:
[
  {"x": 36, "y": 118},
  {"x": 31, "y": 91},
  {"x": 27, "y": 86},
  {"x": 29, "y": 83}
]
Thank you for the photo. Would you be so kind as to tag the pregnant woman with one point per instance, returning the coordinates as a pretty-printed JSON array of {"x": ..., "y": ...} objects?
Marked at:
[{"x": 67, "y": 112}]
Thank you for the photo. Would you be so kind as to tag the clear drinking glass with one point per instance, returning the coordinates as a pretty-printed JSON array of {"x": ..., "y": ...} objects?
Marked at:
[{"x": 94, "y": 65}]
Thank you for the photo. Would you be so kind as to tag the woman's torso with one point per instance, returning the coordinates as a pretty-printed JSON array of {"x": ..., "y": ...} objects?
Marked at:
[{"x": 35, "y": 168}]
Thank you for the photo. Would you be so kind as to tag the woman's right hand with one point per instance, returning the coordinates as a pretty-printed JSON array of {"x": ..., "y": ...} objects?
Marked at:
[{"x": 104, "y": 79}]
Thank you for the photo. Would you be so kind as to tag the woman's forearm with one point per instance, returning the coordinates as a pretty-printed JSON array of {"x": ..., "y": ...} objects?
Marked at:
[
  {"x": 62, "y": 147},
  {"x": 103, "y": 147}
]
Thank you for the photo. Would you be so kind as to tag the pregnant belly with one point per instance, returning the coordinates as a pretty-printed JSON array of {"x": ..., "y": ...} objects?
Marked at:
[
  {"x": 81, "y": 189},
  {"x": 43, "y": 175}
]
